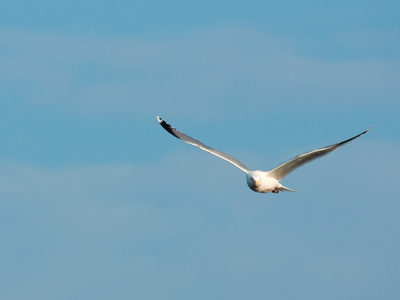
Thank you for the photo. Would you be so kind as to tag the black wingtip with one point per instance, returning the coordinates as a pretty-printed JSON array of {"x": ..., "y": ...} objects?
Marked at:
[
  {"x": 167, "y": 127},
  {"x": 367, "y": 130}
]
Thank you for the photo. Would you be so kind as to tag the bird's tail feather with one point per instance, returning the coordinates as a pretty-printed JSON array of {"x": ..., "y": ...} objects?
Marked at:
[{"x": 285, "y": 189}]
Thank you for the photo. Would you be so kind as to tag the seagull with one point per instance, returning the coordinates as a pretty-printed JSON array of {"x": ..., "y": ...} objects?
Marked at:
[{"x": 262, "y": 181}]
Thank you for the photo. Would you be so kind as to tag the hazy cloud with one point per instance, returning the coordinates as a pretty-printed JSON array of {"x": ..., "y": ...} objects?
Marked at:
[
  {"x": 194, "y": 230},
  {"x": 223, "y": 68}
]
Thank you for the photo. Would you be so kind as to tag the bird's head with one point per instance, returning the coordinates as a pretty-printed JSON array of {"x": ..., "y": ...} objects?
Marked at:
[
  {"x": 256, "y": 180},
  {"x": 253, "y": 180}
]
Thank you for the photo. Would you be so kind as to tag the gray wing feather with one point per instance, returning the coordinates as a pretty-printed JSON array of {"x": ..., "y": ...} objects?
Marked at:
[
  {"x": 287, "y": 167},
  {"x": 194, "y": 142}
]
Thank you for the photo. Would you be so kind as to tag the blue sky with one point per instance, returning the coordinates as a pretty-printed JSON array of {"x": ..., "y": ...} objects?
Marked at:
[{"x": 99, "y": 202}]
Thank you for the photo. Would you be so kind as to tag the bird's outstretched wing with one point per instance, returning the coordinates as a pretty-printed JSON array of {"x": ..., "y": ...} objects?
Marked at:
[
  {"x": 287, "y": 167},
  {"x": 194, "y": 142}
]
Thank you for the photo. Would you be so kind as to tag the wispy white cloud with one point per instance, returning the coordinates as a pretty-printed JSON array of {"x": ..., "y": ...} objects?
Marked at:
[
  {"x": 183, "y": 225},
  {"x": 223, "y": 69}
]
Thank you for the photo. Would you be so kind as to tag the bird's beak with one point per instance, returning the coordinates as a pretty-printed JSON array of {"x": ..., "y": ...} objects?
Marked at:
[{"x": 256, "y": 182}]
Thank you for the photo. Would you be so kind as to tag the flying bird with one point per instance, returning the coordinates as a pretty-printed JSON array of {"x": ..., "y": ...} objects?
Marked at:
[{"x": 262, "y": 181}]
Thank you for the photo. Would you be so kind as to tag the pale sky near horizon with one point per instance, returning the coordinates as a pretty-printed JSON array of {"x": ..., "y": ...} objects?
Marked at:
[{"x": 99, "y": 202}]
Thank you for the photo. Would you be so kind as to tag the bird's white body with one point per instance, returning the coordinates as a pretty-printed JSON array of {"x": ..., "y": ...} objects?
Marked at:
[{"x": 262, "y": 181}]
